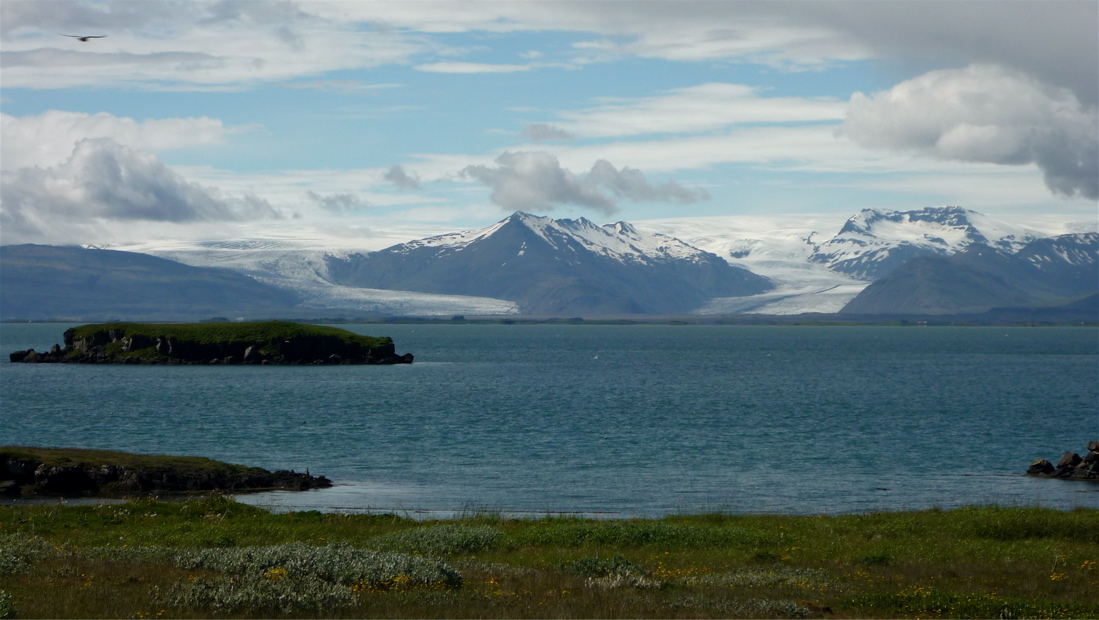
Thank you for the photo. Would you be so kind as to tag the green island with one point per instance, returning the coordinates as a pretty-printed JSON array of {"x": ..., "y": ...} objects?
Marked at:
[
  {"x": 212, "y": 557},
  {"x": 260, "y": 342}
]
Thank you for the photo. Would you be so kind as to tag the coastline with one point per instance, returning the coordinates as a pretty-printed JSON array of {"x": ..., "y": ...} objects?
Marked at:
[{"x": 73, "y": 472}]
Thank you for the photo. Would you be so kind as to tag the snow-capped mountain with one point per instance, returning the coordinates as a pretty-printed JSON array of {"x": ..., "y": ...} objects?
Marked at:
[
  {"x": 553, "y": 267},
  {"x": 1047, "y": 272},
  {"x": 820, "y": 262},
  {"x": 875, "y": 242}
]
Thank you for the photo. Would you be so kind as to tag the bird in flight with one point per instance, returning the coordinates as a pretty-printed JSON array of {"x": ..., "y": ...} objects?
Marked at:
[{"x": 85, "y": 38}]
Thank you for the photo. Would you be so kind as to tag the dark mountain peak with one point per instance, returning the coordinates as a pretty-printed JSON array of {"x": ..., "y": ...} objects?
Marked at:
[
  {"x": 948, "y": 216},
  {"x": 622, "y": 228},
  {"x": 550, "y": 266},
  {"x": 1071, "y": 249},
  {"x": 524, "y": 218},
  {"x": 1045, "y": 272}
]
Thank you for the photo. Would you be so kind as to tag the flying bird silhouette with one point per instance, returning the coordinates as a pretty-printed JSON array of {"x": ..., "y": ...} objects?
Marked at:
[{"x": 85, "y": 38}]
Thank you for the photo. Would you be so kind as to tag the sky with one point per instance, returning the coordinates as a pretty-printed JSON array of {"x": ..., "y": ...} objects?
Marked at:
[{"x": 362, "y": 124}]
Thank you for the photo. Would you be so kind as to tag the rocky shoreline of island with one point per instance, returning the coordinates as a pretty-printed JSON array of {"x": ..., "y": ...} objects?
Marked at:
[{"x": 72, "y": 472}]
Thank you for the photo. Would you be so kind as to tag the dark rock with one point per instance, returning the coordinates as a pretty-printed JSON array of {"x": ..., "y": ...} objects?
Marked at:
[
  {"x": 9, "y": 488},
  {"x": 19, "y": 356},
  {"x": 63, "y": 480},
  {"x": 1070, "y": 459},
  {"x": 1070, "y": 467},
  {"x": 1093, "y": 446},
  {"x": 1041, "y": 467}
]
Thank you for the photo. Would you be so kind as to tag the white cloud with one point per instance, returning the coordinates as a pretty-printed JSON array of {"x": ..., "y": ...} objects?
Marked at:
[
  {"x": 470, "y": 67},
  {"x": 234, "y": 44},
  {"x": 530, "y": 181},
  {"x": 338, "y": 203},
  {"x": 985, "y": 113},
  {"x": 284, "y": 188},
  {"x": 187, "y": 44},
  {"x": 695, "y": 109},
  {"x": 397, "y": 176},
  {"x": 48, "y": 139},
  {"x": 541, "y": 132},
  {"x": 105, "y": 181}
]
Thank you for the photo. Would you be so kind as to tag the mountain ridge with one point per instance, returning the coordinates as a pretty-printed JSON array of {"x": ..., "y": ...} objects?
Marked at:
[
  {"x": 1045, "y": 272},
  {"x": 554, "y": 267}
]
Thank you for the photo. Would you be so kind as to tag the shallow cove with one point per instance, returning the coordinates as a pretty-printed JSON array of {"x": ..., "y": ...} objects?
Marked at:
[{"x": 609, "y": 420}]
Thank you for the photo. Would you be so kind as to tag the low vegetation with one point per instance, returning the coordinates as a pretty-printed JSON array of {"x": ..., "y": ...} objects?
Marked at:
[
  {"x": 227, "y": 333},
  {"x": 182, "y": 465},
  {"x": 212, "y": 557}
]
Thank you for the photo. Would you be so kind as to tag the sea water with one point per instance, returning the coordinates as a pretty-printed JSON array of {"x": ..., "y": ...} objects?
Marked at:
[{"x": 638, "y": 420}]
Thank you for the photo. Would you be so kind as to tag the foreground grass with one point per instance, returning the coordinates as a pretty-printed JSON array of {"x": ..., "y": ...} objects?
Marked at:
[{"x": 212, "y": 557}]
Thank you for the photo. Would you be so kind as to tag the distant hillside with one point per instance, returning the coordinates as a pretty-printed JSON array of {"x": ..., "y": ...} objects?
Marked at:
[
  {"x": 555, "y": 267},
  {"x": 1044, "y": 273},
  {"x": 72, "y": 283}
]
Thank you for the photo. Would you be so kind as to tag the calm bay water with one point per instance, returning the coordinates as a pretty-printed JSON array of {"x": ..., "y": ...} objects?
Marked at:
[{"x": 611, "y": 420}]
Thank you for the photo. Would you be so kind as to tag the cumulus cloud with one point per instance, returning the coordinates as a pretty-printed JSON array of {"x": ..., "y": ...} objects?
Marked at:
[
  {"x": 631, "y": 183},
  {"x": 988, "y": 114},
  {"x": 338, "y": 203},
  {"x": 397, "y": 176},
  {"x": 541, "y": 132},
  {"x": 536, "y": 181},
  {"x": 48, "y": 139},
  {"x": 103, "y": 180}
]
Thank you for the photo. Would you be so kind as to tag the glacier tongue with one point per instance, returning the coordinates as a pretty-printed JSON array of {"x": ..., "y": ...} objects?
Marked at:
[{"x": 305, "y": 272}]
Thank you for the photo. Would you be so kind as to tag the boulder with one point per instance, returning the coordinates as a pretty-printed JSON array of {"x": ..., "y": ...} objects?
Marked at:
[
  {"x": 1070, "y": 459},
  {"x": 9, "y": 488},
  {"x": 1041, "y": 467}
]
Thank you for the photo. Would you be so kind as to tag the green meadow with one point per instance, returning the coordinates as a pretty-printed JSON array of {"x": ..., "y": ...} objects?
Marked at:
[{"x": 213, "y": 557}]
